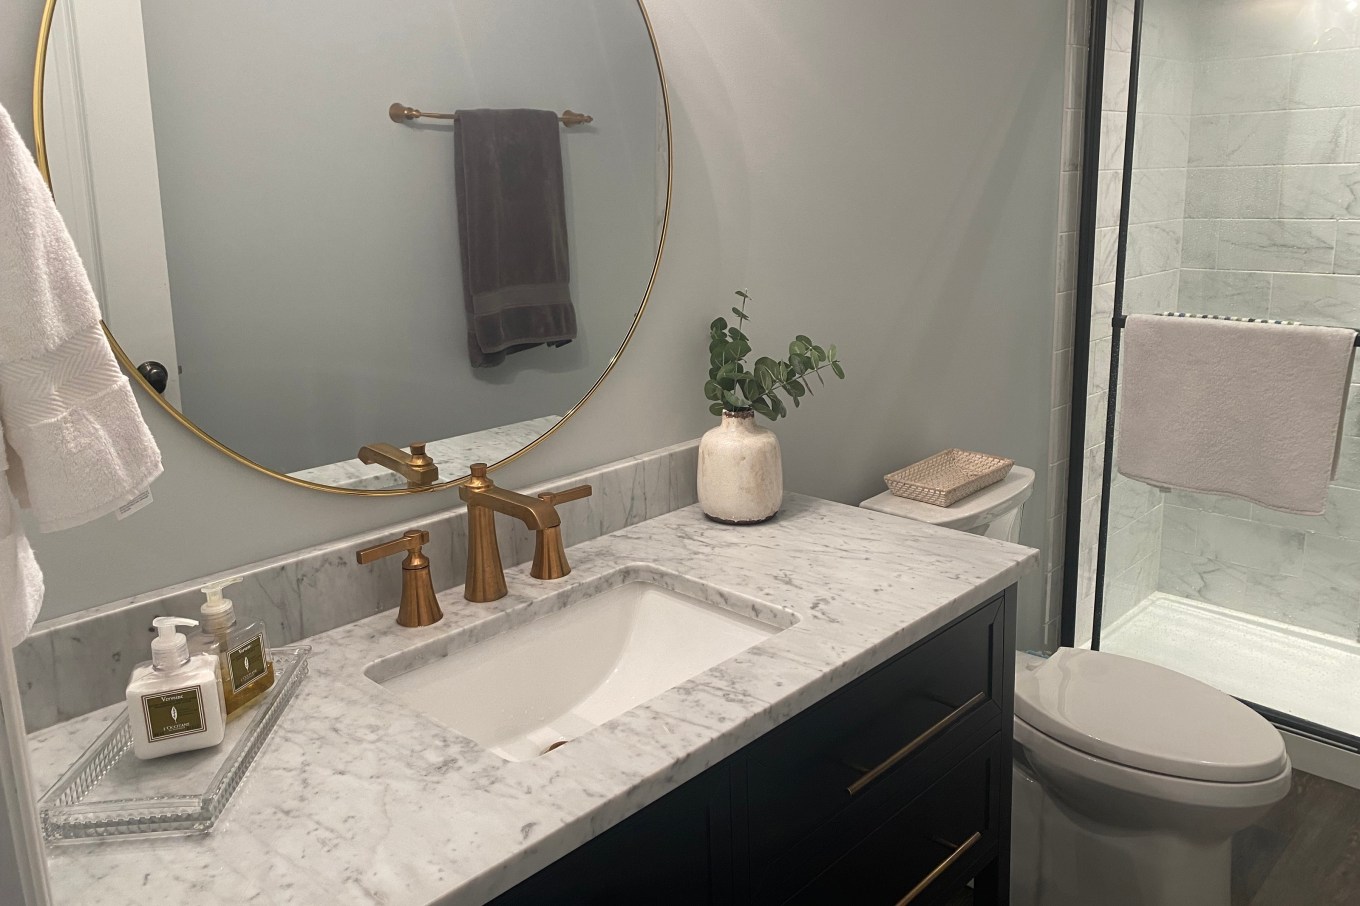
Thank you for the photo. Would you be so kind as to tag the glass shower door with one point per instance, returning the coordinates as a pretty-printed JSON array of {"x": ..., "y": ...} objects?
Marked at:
[{"x": 1242, "y": 200}]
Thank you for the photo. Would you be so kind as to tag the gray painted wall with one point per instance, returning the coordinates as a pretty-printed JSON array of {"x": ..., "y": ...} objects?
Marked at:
[{"x": 885, "y": 180}]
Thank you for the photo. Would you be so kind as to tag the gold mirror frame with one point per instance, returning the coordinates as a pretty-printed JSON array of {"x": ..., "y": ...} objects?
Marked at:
[{"x": 40, "y": 144}]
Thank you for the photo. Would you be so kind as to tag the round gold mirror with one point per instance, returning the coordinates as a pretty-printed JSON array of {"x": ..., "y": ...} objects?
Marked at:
[{"x": 358, "y": 248}]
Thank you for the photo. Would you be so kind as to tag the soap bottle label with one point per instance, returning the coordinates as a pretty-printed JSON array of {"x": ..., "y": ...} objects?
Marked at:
[
  {"x": 247, "y": 663},
  {"x": 170, "y": 714}
]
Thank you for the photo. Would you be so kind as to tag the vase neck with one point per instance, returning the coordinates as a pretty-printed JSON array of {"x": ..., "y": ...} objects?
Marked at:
[{"x": 740, "y": 422}]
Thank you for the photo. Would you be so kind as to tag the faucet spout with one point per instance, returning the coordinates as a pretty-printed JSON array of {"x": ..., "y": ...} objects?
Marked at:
[
  {"x": 485, "y": 575},
  {"x": 419, "y": 470},
  {"x": 534, "y": 513}
]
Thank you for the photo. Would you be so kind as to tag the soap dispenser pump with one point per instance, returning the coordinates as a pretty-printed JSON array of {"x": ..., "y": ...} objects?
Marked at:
[
  {"x": 246, "y": 666},
  {"x": 175, "y": 699}
]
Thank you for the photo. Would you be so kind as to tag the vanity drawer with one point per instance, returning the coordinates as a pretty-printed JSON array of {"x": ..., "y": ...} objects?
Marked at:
[
  {"x": 928, "y": 848},
  {"x": 859, "y": 746}
]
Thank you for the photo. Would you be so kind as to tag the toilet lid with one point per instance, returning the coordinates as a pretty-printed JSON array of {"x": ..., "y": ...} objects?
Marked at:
[
  {"x": 981, "y": 508},
  {"x": 1147, "y": 717}
]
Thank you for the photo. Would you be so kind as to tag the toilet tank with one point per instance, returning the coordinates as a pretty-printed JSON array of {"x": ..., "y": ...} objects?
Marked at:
[{"x": 993, "y": 512}]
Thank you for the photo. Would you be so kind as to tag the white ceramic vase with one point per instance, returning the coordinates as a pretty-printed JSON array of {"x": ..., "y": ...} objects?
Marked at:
[{"x": 741, "y": 476}]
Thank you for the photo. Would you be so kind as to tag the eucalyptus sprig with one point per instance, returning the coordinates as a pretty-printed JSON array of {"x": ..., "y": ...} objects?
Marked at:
[{"x": 733, "y": 387}]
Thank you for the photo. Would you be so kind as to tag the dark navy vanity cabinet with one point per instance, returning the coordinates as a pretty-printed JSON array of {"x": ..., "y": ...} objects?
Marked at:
[{"x": 895, "y": 789}]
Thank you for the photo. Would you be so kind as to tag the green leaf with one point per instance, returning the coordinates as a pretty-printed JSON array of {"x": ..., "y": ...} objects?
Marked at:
[
  {"x": 831, "y": 352},
  {"x": 712, "y": 391},
  {"x": 716, "y": 408},
  {"x": 840, "y": 372},
  {"x": 737, "y": 335},
  {"x": 718, "y": 324},
  {"x": 796, "y": 390},
  {"x": 797, "y": 347},
  {"x": 764, "y": 409},
  {"x": 818, "y": 354},
  {"x": 742, "y": 293},
  {"x": 733, "y": 401},
  {"x": 739, "y": 350},
  {"x": 804, "y": 340},
  {"x": 741, "y": 315},
  {"x": 779, "y": 408}
]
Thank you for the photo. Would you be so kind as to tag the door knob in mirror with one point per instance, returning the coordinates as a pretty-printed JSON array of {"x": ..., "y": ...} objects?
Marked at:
[{"x": 156, "y": 375}]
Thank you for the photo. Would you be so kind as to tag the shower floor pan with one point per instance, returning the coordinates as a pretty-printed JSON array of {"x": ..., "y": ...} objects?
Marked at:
[{"x": 1310, "y": 675}]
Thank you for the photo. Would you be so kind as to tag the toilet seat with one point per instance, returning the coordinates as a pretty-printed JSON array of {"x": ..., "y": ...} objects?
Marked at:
[
  {"x": 1130, "y": 714},
  {"x": 1049, "y": 754}
]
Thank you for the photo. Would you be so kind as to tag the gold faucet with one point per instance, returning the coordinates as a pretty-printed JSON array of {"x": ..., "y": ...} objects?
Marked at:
[
  {"x": 418, "y": 469},
  {"x": 485, "y": 575},
  {"x": 418, "y": 604}
]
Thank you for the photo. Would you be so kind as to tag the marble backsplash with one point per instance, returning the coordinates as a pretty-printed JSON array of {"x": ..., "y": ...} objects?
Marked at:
[{"x": 75, "y": 664}]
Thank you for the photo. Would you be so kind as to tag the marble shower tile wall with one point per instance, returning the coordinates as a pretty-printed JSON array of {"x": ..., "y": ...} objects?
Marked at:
[
  {"x": 1272, "y": 229},
  {"x": 1069, "y": 198},
  {"x": 75, "y": 664},
  {"x": 1152, "y": 268}
]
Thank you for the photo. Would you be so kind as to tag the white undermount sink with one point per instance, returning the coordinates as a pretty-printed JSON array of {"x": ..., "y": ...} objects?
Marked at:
[{"x": 539, "y": 683}]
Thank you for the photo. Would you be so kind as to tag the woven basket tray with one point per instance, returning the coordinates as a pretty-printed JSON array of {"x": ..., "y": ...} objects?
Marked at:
[{"x": 949, "y": 476}]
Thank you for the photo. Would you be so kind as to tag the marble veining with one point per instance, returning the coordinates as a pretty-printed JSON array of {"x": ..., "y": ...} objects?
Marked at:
[
  {"x": 358, "y": 799},
  {"x": 319, "y": 588},
  {"x": 453, "y": 455}
]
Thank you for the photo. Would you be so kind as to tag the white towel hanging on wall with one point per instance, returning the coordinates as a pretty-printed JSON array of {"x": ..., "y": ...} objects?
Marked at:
[{"x": 75, "y": 445}]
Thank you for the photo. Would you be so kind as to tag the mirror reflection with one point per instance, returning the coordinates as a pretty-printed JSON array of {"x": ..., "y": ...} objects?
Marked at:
[{"x": 327, "y": 226}]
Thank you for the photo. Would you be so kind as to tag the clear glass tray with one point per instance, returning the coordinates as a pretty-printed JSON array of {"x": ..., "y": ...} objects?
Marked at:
[{"x": 110, "y": 792}]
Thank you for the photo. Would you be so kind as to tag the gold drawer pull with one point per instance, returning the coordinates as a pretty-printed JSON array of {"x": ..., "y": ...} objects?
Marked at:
[
  {"x": 940, "y": 869},
  {"x": 872, "y": 775}
]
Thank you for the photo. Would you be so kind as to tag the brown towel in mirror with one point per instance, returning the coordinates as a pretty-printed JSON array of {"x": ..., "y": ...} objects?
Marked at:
[{"x": 512, "y": 228}]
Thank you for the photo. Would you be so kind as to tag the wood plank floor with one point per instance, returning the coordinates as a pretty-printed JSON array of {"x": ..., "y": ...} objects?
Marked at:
[{"x": 1305, "y": 852}]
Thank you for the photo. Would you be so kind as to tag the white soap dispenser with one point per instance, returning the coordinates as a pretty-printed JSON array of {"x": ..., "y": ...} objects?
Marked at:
[
  {"x": 246, "y": 665},
  {"x": 175, "y": 699}
]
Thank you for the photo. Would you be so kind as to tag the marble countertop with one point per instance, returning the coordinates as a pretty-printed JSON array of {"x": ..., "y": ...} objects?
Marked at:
[{"x": 358, "y": 799}]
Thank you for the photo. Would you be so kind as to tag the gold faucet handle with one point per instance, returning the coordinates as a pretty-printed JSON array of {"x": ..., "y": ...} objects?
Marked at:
[
  {"x": 418, "y": 457},
  {"x": 419, "y": 606},
  {"x": 550, "y": 555},
  {"x": 411, "y": 542},
  {"x": 567, "y": 496}
]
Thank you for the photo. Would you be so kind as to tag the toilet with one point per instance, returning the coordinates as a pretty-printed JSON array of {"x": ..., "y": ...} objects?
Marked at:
[{"x": 1130, "y": 779}]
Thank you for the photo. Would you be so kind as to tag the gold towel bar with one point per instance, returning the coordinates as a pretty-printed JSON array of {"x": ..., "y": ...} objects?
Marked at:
[{"x": 400, "y": 113}]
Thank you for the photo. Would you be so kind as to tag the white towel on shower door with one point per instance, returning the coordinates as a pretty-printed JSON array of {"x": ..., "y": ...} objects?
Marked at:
[
  {"x": 1245, "y": 409},
  {"x": 75, "y": 446}
]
